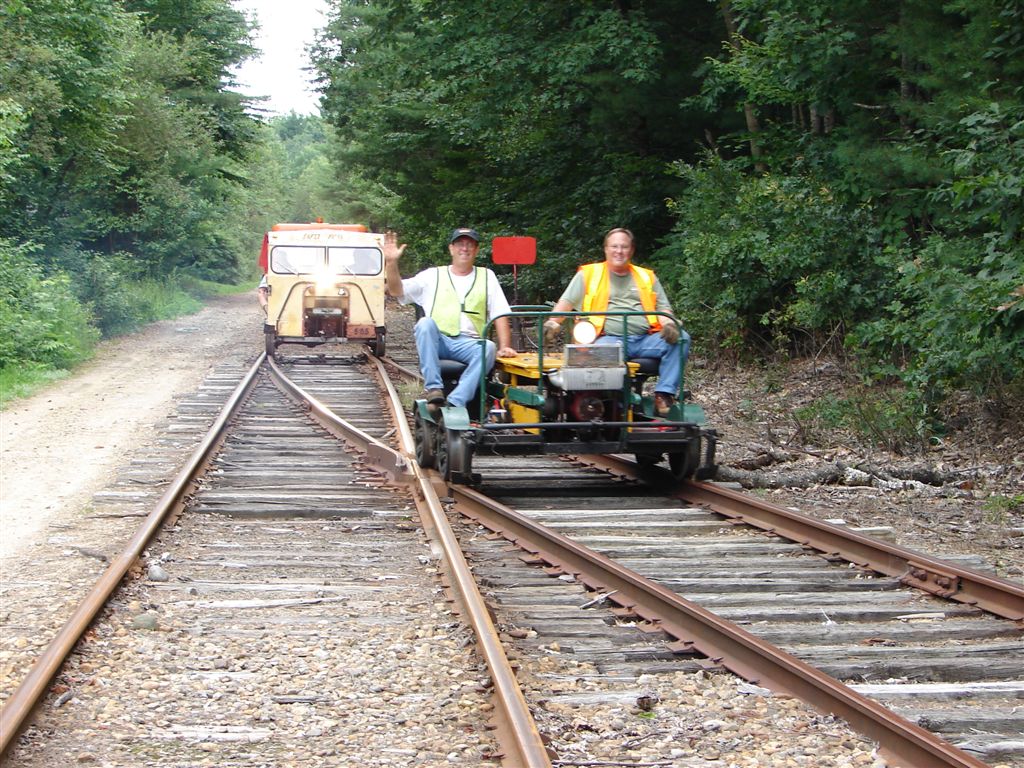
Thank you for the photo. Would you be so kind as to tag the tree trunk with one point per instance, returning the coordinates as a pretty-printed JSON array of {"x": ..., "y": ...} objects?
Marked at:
[{"x": 753, "y": 126}]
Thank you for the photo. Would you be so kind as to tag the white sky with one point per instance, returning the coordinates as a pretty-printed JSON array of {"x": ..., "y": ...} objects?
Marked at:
[{"x": 287, "y": 27}]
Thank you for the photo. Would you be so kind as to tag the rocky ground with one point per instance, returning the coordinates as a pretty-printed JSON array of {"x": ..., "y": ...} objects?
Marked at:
[{"x": 961, "y": 493}]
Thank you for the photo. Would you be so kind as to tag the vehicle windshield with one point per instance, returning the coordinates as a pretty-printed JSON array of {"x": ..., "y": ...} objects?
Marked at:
[
  {"x": 316, "y": 260},
  {"x": 354, "y": 261}
]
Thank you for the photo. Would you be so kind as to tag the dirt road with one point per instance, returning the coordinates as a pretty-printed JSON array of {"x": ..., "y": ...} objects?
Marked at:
[{"x": 62, "y": 445}]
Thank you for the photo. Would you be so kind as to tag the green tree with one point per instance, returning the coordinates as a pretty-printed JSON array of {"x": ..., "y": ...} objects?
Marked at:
[
  {"x": 214, "y": 37},
  {"x": 122, "y": 148},
  {"x": 12, "y": 121},
  {"x": 553, "y": 119},
  {"x": 65, "y": 71},
  {"x": 767, "y": 262},
  {"x": 909, "y": 116},
  {"x": 131, "y": 138}
]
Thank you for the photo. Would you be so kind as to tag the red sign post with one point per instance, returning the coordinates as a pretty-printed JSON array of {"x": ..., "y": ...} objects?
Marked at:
[{"x": 514, "y": 251}]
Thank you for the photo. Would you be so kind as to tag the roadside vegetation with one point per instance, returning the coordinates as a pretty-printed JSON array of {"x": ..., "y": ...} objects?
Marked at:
[
  {"x": 840, "y": 180},
  {"x": 134, "y": 181}
]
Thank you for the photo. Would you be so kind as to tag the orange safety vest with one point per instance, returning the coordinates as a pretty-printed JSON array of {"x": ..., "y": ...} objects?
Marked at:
[{"x": 597, "y": 286}]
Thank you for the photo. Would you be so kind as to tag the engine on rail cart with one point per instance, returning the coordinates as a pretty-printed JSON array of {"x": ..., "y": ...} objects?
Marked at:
[
  {"x": 326, "y": 284},
  {"x": 585, "y": 399}
]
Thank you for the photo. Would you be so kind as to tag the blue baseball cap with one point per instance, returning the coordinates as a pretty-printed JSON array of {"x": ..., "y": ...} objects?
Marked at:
[{"x": 464, "y": 232}]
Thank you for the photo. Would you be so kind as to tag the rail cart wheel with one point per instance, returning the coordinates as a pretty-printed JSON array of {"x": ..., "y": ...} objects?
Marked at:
[
  {"x": 683, "y": 464},
  {"x": 378, "y": 346},
  {"x": 647, "y": 459},
  {"x": 454, "y": 455},
  {"x": 425, "y": 435},
  {"x": 270, "y": 340}
]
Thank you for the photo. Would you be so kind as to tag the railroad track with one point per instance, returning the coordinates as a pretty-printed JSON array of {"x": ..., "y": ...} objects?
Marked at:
[
  {"x": 282, "y": 579},
  {"x": 852, "y": 609},
  {"x": 948, "y": 667}
]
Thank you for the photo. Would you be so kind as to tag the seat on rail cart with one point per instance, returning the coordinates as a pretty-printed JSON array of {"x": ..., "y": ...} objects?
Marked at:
[
  {"x": 649, "y": 367},
  {"x": 451, "y": 370}
]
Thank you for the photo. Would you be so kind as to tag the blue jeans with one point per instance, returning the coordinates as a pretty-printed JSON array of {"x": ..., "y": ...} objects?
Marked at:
[
  {"x": 652, "y": 345},
  {"x": 433, "y": 346}
]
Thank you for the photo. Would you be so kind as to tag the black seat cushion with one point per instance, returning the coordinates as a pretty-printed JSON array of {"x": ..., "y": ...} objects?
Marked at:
[
  {"x": 451, "y": 369},
  {"x": 648, "y": 365}
]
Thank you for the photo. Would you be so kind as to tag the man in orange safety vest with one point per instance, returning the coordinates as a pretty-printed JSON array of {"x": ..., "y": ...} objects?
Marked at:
[{"x": 618, "y": 285}]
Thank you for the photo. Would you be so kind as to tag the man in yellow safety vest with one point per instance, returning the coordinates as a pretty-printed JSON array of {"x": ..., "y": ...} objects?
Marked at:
[
  {"x": 618, "y": 285},
  {"x": 457, "y": 302}
]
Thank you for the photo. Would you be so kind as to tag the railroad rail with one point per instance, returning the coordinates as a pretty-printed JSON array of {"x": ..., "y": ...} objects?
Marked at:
[
  {"x": 261, "y": 429},
  {"x": 662, "y": 558}
]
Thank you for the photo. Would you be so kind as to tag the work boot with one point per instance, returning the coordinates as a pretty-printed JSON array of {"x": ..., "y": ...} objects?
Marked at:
[
  {"x": 434, "y": 397},
  {"x": 663, "y": 403}
]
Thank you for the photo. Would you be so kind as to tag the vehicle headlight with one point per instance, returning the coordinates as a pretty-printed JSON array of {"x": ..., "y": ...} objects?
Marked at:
[{"x": 584, "y": 332}]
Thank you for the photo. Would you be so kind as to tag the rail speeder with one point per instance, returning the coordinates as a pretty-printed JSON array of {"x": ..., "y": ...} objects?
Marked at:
[
  {"x": 584, "y": 398},
  {"x": 326, "y": 284}
]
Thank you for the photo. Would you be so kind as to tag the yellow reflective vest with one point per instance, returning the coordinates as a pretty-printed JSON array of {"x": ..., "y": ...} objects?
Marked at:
[
  {"x": 448, "y": 306},
  {"x": 596, "y": 290}
]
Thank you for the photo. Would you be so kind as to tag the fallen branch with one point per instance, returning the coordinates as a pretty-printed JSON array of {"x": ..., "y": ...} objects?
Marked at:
[
  {"x": 764, "y": 457},
  {"x": 824, "y": 475},
  {"x": 925, "y": 481}
]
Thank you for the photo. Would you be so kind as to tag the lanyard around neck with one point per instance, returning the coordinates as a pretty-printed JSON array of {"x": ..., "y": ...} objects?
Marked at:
[{"x": 462, "y": 299}]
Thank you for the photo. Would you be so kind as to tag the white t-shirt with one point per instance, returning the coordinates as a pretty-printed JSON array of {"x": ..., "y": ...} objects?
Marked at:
[{"x": 421, "y": 289}]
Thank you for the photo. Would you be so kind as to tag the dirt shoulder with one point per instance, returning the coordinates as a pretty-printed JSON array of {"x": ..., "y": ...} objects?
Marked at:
[{"x": 62, "y": 445}]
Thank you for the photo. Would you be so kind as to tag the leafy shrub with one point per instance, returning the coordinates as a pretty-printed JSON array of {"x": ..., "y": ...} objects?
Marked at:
[
  {"x": 104, "y": 283},
  {"x": 985, "y": 153},
  {"x": 41, "y": 320},
  {"x": 957, "y": 320},
  {"x": 161, "y": 299},
  {"x": 12, "y": 120},
  {"x": 892, "y": 418},
  {"x": 123, "y": 297},
  {"x": 773, "y": 259}
]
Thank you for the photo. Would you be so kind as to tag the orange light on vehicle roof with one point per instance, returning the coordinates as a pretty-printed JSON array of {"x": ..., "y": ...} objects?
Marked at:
[{"x": 285, "y": 227}]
